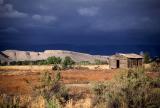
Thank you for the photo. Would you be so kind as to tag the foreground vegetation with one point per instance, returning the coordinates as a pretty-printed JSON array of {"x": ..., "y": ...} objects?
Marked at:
[
  {"x": 51, "y": 93},
  {"x": 129, "y": 89}
]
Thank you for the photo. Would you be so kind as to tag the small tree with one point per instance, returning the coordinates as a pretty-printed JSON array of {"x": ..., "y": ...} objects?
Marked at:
[
  {"x": 50, "y": 60},
  {"x": 54, "y": 60},
  {"x": 146, "y": 57},
  {"x": 67, "y": 63}
]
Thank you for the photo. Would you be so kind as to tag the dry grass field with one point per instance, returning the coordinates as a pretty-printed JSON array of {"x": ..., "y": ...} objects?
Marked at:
[
  {"x": 13, "y": 82},
  {"x": 49, "y": 67},
  {"x": 13, "y": 78},
  {"x": 78, "y": 81}
]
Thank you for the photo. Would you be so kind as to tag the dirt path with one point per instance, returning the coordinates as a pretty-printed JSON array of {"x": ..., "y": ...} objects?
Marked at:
[{"x": 79, "y": 85}]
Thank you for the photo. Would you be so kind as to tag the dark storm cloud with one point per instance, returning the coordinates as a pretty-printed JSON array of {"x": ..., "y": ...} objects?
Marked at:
[
  {"x": 81, "y": 21},
  {"x": 106, "y": 14},
  {"x": 8, "y": 11},
  {"x": 1, "y": 1},
  {"x": 9, "y": 30}
]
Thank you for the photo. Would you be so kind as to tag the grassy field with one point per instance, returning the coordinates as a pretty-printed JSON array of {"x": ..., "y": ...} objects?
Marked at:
[
  {"x": 13, "y": 81},
  {"x": 78, "y": 81},
  {"x": 49, "y": 67},
  {"x": 12, "y": 78}
]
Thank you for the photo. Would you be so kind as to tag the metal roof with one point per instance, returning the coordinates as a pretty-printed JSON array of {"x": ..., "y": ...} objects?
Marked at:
[{"x": 131, "y": 55}]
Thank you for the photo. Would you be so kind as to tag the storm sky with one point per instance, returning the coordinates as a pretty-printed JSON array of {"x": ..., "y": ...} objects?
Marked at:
[{"x": 79, "y": 22}]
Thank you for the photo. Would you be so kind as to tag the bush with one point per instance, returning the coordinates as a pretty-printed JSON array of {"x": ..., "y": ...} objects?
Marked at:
[
  {"x": 99, "y": 62},
  {"x": 56, "y": 67},
  {"x": 146, "y": 57},
  {"x": 131, "y": 89},
  {"x": 51, "y": 90},
  {"x": 13, "y": 63},
  {"x": 67, "y": 63},
  {"x": 84, "y": 63},
  {"x": 9, "y": 101},
  {"x": 54, "y": 60},
  {"x": 26, "y": 62},
  {"x": 41, "y": 62},
  {"x": 155, "y": 67},
  {"x": 99, "y": 92},
  {"x": 19, "y": 62}
]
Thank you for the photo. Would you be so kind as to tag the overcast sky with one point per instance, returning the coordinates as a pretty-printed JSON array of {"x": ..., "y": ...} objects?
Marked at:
[{"x": 100, "y": 22}]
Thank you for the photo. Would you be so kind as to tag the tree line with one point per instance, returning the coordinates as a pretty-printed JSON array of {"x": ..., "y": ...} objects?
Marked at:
[{"x": 67, "y": 61}]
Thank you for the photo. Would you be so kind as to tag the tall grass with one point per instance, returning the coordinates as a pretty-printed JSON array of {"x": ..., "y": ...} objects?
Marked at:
[
  {"x": 53, "y": 92},
  {"x": 130, "y": 89}
]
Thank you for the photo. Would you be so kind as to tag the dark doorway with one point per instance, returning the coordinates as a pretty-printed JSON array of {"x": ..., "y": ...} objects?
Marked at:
[{"x": 118, "y": 64}]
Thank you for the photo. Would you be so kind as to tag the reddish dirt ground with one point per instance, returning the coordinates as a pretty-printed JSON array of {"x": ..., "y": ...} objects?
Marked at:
[
  {"x": 11, "y": 83},
  {"x": 14, "y": 81}
]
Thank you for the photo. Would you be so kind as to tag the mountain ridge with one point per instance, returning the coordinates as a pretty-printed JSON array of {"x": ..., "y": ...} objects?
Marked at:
[{"x": 18, "y": 55}]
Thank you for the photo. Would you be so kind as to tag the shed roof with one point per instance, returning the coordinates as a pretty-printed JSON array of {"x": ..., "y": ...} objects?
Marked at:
[{"x": 131, "y": 55}]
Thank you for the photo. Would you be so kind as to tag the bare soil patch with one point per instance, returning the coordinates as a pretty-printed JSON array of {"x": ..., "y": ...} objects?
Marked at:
[{"x": 13, "y": 81}]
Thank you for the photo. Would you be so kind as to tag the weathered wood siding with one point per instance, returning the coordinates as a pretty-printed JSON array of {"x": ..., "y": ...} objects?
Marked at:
[
  {"x": 123, "y": 62},
  {"x": 135, "y": 62},
  {"x": 112, "y": 64}
]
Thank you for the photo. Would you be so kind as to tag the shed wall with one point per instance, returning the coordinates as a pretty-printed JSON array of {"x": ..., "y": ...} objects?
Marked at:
[
  {"x": 123, "y": 62},
  {"x": 135, "y": 62}
]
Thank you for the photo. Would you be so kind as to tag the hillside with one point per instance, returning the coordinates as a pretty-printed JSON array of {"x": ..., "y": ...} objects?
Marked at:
[{"x": 16, "y": 55}]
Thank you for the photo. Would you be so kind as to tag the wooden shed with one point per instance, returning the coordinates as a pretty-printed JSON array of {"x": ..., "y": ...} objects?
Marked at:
[{"x": 121, "y": 60}]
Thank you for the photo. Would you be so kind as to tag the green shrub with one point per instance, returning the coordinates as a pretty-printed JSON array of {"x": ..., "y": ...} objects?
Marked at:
[
  {"x": 41, "y": 62},
  {"x": 99, "y": 91},
  {"x": 67, "y": 63},
  {"x": 13, "y": 63},
  {"x": 19, "y": 63},
  {"x": 26, "y": 62},
  {"x": 100, "y": 62},
  {"x": 84, "y": 63},
  {"x": 146, "y": 57},
  {"x": 53, "y": 92},
  {"x": 131, "y": 89},
  {"x": 4, "y": 64},
  {"x": 155, "y": 67},
  {"x": 54, "y": 60}
]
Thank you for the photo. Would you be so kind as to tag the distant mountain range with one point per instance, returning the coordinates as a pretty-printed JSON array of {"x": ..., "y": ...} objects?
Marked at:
[
  {"x": 16, "y": 55},
  {"x": 96, "y": 49}
]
